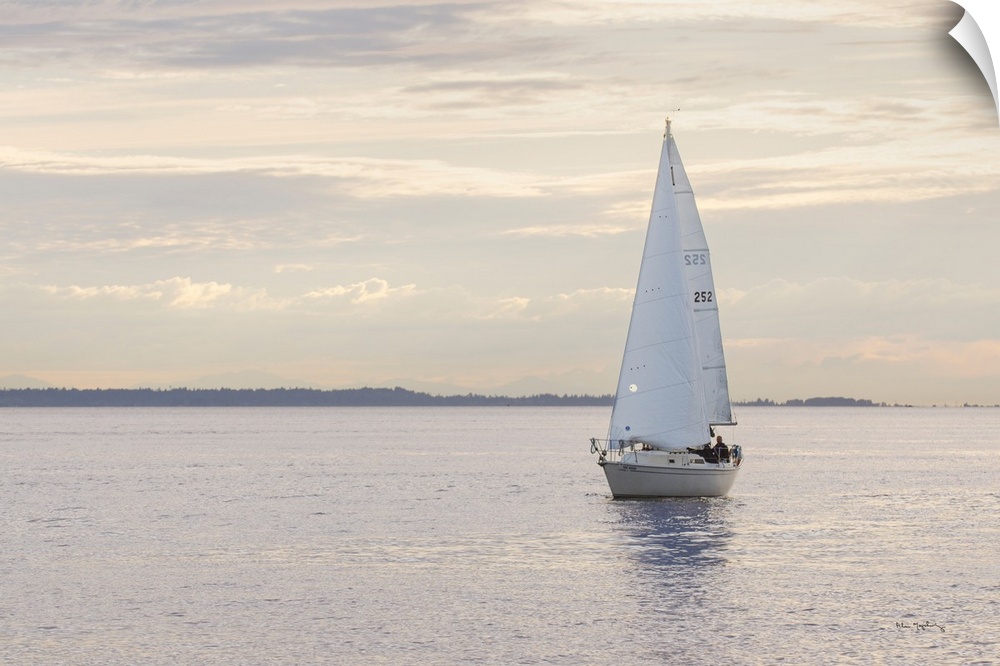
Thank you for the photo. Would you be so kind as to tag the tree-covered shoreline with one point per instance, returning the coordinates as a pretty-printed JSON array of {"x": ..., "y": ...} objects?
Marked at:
[
  {"x": 359, "y": 397},
  {"x": 284, "y": 397}
]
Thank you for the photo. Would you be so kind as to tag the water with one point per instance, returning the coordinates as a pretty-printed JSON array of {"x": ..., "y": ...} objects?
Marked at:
[{"x": 487, "y": 535}]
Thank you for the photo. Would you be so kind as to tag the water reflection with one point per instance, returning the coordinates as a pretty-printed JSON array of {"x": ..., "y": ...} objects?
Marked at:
[{"x": 681, "y": 535}]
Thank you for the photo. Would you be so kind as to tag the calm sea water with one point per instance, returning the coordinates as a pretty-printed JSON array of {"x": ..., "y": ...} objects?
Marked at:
[{"x": 487, "y": 535}]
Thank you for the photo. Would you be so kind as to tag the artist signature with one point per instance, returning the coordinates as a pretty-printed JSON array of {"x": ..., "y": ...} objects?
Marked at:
[{"x": 919, "y": 626}]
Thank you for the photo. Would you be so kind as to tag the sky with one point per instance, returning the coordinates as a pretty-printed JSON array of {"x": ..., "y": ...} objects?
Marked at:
[{"x": 453, "y": 196}]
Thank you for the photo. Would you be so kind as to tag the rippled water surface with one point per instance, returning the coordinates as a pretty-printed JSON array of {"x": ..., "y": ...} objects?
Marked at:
[{"x": 487, "y": 535}]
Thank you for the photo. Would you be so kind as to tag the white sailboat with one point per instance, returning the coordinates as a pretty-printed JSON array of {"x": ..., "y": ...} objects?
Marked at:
[{"x": 673, "y": 388}]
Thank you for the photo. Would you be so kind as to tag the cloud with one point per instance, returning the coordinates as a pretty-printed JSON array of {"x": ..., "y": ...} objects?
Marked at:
[
  {"x": 508, "y": 308},
  {"x": 372, "y": 290},
  {"x": 890, "y": 13},
  {"x": 582, "y": 305},
  {"x": 188, "y": 294},
  {"x": 175, "y": 237},
  {"x": 361, "y": 177},
  {"x": 892, "y": 171},
  {"x": 183, "y": 293},
  {"x": 485, "y": 90},
  {"x": 292, "y": 268},
  {"x": 564, "y": 230},
  {"x": 114, "y": 292},
  {"x": 257, "y": 34},
  {"x": 447, "y": 304},
  {"x": 178, "y": 293}
]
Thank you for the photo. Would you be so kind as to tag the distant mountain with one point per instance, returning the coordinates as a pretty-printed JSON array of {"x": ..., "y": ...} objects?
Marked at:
[
  {"x": 526, "y": 386},
  {"x": 420, "y": 386},
  {"x": 246, "y": 379},
  {"x": 243, "y": 379},
  {"x": 22, "y": 382}
]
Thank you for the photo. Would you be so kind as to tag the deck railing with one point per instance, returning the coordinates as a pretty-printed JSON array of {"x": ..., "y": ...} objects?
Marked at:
[{"x": 611, "y": 450}]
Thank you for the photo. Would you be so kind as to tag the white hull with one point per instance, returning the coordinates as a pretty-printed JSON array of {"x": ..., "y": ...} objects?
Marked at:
[{"x": 668, "y": 474}]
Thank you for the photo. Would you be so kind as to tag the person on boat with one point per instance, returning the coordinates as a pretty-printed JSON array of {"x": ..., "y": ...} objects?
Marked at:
[
  {"x": 721, "y": 450},
  {"x": 708, "y": 453}
]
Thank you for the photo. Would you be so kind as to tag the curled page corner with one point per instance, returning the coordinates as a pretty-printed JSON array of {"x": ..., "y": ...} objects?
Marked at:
[{"x": 979, "y": 33}]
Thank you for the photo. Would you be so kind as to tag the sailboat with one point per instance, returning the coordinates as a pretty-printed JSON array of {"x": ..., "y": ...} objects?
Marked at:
[{"x": 673, "y": 388}]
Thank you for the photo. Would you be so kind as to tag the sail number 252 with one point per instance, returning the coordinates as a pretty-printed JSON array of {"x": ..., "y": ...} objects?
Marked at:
[
  {"x": 699, "y": 259},
  {"x": 702, "y": 297}
]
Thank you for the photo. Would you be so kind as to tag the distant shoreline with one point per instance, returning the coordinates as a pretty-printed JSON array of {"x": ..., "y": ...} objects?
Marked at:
[
  {"x": 286, "y": 397},
  {"x": 361, "y": 397}
]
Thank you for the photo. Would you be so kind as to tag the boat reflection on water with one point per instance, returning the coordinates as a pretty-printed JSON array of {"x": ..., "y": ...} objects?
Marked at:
[
  {"x": 677, "y": 536},
  {"x": 678, "y": 580}
]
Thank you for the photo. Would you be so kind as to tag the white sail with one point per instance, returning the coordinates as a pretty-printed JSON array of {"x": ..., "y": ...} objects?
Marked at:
[
  {"x": 660, "y": 396},
  {"x": 701, "y": 287},
  {"x": 673, "y": 384}
]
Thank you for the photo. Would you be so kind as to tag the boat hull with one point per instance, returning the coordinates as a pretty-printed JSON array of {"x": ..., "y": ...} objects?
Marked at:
[{"x": 635, "y": 476}]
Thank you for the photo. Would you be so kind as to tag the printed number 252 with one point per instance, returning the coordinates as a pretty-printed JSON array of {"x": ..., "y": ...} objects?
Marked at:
[{"x": 702, "y": 297}]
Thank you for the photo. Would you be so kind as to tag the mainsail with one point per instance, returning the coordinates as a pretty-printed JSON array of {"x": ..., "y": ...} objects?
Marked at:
[
  {"x": 701, "y": 287},
  {"x": 661, "y": 396}
]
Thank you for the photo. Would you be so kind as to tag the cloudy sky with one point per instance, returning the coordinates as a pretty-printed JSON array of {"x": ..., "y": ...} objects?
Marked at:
[{"x": 452, "y": 196}]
